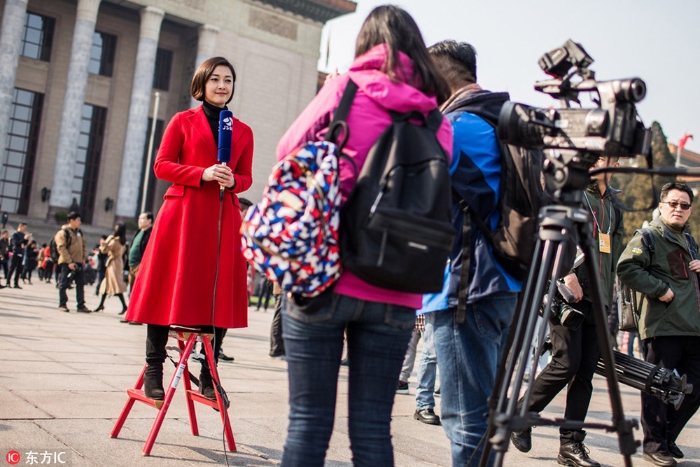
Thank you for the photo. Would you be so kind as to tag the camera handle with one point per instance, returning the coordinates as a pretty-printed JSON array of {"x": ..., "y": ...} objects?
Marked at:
[{"x": 559, "y": 225}]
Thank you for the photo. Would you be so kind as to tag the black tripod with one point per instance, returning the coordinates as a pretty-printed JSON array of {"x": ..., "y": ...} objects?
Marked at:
[{"x": 560, "y": 224}]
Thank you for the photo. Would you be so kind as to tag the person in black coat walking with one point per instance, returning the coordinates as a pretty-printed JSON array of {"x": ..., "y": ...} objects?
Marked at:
[
  {"x": 31, "y": 254},
  {"x": 18, "y": 241},
  {"x": 4, "y": 250}
]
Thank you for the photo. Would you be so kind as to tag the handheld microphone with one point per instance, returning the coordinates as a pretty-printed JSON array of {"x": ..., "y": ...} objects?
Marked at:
[{"x": 225, "y": 132}]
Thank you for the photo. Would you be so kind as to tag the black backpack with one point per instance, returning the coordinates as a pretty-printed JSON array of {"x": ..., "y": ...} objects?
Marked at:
[
  {"x": 396, "y": 227},
  {"x": 522, "y": 195},
  {"x": 54, "y": 250}
]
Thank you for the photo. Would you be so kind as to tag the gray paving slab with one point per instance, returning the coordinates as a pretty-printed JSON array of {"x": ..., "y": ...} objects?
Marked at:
[
  {"x": 16, "y": 407},
  {"x": 63, "y": 381}
]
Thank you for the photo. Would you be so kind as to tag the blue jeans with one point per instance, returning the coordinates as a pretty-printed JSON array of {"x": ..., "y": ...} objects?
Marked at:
[
  {"x": 377, "y": 338},
  {"x": 427, "y": 367},
  {"x": 468, "y": 355}
]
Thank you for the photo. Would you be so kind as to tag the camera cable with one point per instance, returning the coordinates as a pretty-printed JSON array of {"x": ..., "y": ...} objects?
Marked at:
[{"x": 219, "y": 388}]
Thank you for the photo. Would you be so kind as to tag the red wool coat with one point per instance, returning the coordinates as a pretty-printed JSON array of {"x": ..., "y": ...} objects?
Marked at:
[{"x": 175, "y": 281}]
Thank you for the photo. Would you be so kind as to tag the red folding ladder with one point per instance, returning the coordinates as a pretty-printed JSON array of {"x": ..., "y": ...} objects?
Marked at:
[{"x": 186, "y": 339}]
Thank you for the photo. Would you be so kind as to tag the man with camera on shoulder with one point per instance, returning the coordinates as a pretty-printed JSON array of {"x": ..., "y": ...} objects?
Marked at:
[
  {"x": 575, "y": 348},
  {"x": 664, "y": 266},
  {"x": 72, "y": 252}
]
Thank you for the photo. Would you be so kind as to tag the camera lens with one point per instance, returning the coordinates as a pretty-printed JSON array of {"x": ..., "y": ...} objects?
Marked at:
[
  {"x": 631, "y": 90},
  {"x": 638, "y": 89}
]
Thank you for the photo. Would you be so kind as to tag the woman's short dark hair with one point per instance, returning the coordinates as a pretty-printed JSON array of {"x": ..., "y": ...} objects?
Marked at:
[
  {"x": 393, "y": 26},
  {"x": 204, "y": 72},
  {"x": 676, "y": 186},
  {"x": 120, "y": 231}
]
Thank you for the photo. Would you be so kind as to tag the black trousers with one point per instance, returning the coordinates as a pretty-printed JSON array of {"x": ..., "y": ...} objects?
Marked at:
[
  {"x": 276, "y": 341},
  {"x": 662, "y": 423},
  {"x": 265, "y": 293},
  {"x": 157, "y": 339},
  {"x": 3, "y": 265},
  {"x": 575, "y": 354},
  {"x": 65, "y": 281},
  {"x": 47, "y": 271},
  {"x": 15, "y": 268}
]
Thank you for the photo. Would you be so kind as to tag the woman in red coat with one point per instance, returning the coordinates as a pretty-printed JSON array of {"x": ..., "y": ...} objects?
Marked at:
[{"x": 175, "y": 282}]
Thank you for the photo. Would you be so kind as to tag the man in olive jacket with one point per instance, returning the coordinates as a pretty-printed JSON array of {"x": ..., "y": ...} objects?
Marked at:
[
  {"x": 669, "y": 325},
  {"x": 72, "y": 251}
]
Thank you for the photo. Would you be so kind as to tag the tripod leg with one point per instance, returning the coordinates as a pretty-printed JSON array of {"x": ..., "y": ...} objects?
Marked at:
[
  {"x": 549, "y": 255},
  {"x": 628, "y": 446}
]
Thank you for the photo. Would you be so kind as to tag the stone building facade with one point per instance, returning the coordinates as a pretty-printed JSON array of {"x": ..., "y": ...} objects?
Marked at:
[{"x": 78, "y": 86}]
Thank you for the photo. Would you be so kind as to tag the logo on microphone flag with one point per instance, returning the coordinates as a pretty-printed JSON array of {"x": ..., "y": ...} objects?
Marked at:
[{"x": 227, "y": 124}]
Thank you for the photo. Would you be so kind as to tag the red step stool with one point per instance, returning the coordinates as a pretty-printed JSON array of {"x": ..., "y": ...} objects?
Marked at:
[{"x": 186, "y": 339}]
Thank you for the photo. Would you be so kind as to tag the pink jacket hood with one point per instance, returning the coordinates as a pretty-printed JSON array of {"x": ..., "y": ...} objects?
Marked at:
[{"x": 399, "y": 96}]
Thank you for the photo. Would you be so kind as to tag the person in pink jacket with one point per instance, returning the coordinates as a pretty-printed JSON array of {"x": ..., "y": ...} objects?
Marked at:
[{"x": 393, "y": 72}]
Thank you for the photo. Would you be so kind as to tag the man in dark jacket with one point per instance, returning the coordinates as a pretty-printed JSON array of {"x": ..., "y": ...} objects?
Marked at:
[
  {"x": 669, "y": 326},
  {"x": 575, "y": 352},
  {"x": 138, "y": 244},
  {"x": 470, "y": 339},
  {"x": 4, "y": 249},
  {"x": 18, "y": 241},
  {"x": 137, "y": 248}
]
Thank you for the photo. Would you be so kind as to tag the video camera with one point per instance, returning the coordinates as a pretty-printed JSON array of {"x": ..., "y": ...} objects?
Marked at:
[
  {"x": 581, "y": 135},
  {"x": 71, "y": 274}
]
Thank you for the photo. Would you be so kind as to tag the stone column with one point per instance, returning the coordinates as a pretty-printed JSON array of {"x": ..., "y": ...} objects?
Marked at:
[
  {"x": 76, "y": 85},
  {"x": 137, "y": 125},
  {"x": 206, "y": 48},
  {"x": 10, "y": 43}
]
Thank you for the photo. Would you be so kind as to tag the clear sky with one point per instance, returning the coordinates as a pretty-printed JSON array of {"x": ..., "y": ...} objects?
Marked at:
[{"x": 656, "y": 40}]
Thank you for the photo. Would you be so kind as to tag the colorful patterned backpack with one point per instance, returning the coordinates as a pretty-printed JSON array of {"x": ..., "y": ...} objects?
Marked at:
[{"x": 291, "y": 235}]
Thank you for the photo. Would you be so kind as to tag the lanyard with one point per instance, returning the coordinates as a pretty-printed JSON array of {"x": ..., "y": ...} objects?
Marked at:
[{"x": 602, "y": 205}]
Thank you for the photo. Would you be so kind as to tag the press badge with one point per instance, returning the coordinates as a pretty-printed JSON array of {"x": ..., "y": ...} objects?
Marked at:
[{"x": 604, "y": 242}]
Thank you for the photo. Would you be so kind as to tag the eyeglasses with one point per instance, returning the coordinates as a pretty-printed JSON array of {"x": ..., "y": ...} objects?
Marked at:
[{"x": 675, "y": 204}]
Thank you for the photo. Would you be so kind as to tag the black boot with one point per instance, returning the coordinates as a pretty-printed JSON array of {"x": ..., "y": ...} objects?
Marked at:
[
  {"x": 121, "y": 299},
  {"x": 206, "y": 384},
  {"x": 573, "y": 452},
  {"x": 522, "y": 440},
  {"x": 101, "y": 306},
  {"x": 156, "y": 340},
  {"x": 153, "y": 382}
]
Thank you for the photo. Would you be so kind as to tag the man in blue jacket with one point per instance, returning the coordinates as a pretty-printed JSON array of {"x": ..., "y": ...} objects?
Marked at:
[{"x": 470, "y": 339}]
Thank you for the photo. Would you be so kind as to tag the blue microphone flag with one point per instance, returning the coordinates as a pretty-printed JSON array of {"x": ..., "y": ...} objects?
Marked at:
[{"x": 225, "y": 132}]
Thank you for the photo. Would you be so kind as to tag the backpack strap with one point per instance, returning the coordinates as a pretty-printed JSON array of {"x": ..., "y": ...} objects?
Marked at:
[
  {"x": 339, "y": 124},
  {"x": 692, "y": 246},
  {"x": 469, "y": 212},
  {"x": 647, "y": 239},
  {"x": 434, "y": 120},
  {"x": 466, "y": 259}
]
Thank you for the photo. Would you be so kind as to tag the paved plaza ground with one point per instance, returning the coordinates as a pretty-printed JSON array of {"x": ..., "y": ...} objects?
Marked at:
[{"x": 63, "y": 378}]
